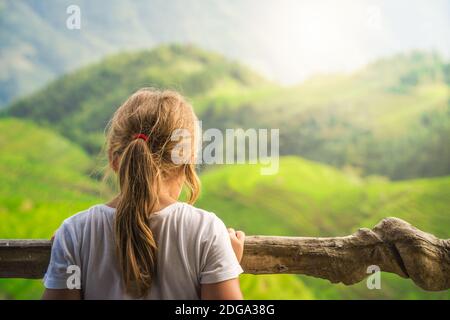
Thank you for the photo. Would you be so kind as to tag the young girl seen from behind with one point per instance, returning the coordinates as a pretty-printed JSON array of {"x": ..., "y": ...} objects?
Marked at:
[{"x": 145, "y": 243}]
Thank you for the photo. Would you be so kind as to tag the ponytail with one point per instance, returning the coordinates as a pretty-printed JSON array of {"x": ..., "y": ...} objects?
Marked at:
[{"x": 139, "y": 177}]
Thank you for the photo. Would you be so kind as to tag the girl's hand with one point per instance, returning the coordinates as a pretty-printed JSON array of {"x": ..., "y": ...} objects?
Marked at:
[{"x": 237, "y": 242}]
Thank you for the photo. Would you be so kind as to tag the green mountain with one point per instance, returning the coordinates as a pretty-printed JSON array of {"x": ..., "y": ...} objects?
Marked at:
[
  {"x": 79, "y": 104},
  {"x": 36, "y": 46},
  {"x": 46, "y": 178},
  {"x": 391, "y": 118},
  {"x": 311, "y": 199}
]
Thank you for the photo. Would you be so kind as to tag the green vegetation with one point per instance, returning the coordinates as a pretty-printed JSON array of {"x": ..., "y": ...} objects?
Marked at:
[
  {"x": 44, "y": 179},
  {"x": 34, "y": 156},
  {"x": 86, "y": 99},
  {"x": 311, "y": 199},
  {"x": 391, "y": 118}
]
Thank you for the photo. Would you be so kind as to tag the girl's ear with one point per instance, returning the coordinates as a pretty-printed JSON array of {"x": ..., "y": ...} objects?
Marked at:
[
  {"x": 115, "y": 164},
  {"x": 113, "y": 161}
]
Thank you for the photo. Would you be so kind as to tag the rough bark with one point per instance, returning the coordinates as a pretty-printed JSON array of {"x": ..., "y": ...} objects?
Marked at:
[{"x": 393, "y": 245}]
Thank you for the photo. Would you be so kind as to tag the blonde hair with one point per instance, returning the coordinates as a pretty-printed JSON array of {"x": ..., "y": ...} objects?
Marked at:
[{"x": 141, "y": 166}]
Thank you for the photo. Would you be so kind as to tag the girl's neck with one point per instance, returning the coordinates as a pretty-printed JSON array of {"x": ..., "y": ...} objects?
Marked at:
[
  {"x": 169, "y": 194},
  {"x": 163, "y": 201}
]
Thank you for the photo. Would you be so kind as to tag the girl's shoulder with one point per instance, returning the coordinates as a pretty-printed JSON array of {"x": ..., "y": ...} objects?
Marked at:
[
  {"x": 83, "y": 218},
  {"x": 187, "y": 211},
  {"x": 194, "y": 218},
  {"x": 78, "y": 227}
]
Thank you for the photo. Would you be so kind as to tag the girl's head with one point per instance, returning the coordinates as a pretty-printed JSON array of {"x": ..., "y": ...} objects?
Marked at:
[{"x": 141, "y": 149}]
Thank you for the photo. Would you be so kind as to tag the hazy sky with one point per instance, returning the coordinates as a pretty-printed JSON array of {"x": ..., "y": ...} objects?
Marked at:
[
  {"x": 300, "y": 38},
  {"x": 286, "y": 40}
]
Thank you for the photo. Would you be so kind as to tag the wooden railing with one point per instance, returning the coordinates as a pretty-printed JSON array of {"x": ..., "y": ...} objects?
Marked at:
[{"x": 393, "y": 245}]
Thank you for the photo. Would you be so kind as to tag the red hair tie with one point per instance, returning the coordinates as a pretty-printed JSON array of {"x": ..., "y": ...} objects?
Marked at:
[{"x": 141, "y": 136}]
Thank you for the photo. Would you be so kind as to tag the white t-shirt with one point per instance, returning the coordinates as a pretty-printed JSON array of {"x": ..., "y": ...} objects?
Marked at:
[{"x": 193, "y": 248}]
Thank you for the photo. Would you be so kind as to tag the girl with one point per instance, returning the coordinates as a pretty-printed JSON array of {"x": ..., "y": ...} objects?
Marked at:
[{"x": 144, "y": 243}]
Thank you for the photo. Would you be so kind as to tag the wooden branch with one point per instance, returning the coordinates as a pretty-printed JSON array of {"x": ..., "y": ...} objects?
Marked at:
[
  {"x": 24, "y": 258},
  {"x": 393, "y": 245}
]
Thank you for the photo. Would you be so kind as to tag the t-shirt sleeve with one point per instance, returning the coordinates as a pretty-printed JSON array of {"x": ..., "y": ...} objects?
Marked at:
[
  {"x": 220, "y": 261},
  {"x": 63, "y": 255}
]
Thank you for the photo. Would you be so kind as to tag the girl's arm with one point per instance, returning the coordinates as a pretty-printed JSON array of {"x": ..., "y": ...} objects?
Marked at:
[
  {"x": 225, "y": 290},
  {"x": 237, "y": 242},
  {"x": 61, "y": 294},
  {"x": 229, "y": 289}
]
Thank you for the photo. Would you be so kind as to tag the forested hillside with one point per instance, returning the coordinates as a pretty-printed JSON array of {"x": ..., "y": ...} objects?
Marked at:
[
  {"x": 80, "y": 104},
  {"x": 391, "y": 118}
]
